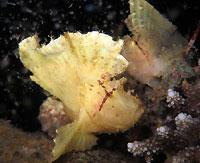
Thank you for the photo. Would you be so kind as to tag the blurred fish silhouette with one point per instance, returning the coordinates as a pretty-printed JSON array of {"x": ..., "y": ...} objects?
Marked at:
[{"x": 155, "y": 53}]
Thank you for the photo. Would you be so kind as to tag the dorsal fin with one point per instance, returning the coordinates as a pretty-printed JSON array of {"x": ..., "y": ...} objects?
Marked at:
[
  {"x": 144, "y": 18},
  {"x": 153, "y": 30}
]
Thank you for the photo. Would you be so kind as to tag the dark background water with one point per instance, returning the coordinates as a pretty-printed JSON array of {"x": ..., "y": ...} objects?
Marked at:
[{"x": 19, "y": 97}]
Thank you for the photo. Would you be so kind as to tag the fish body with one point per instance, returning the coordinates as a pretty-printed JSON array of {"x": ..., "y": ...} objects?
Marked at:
[
  {"x": 156, "y": 44},
  {"x": 77, "y": 69}
]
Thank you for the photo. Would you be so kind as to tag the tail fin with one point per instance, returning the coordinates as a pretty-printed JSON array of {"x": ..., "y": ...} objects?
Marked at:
[{"x": 70, "y": 138}]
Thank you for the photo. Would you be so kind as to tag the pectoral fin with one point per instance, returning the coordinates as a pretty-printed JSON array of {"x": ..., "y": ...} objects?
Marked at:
[{"x": 71, "y": 138}]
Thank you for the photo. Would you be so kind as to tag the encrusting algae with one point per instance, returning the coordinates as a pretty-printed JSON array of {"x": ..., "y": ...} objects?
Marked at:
[{"x": 79, "y": 69}]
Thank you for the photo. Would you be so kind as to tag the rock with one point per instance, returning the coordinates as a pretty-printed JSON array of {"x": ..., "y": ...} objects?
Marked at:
[{"x": 19, "y": 146}]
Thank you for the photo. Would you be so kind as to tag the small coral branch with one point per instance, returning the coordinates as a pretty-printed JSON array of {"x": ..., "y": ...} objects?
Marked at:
[
  {"x": 178, "y": 142},
  {"x": 187, "y": 155},
  {"x": 144, "y": 148},
  {"x": 192, "y": 91},
  {"x": 187, "y": 126},
  {"x": 174, "y": 98}
]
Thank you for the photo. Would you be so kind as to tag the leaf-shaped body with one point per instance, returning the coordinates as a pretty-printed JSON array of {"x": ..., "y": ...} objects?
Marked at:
[
  {"x": 76, "y": 68},
  {"x": 155, "y": 44}
]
